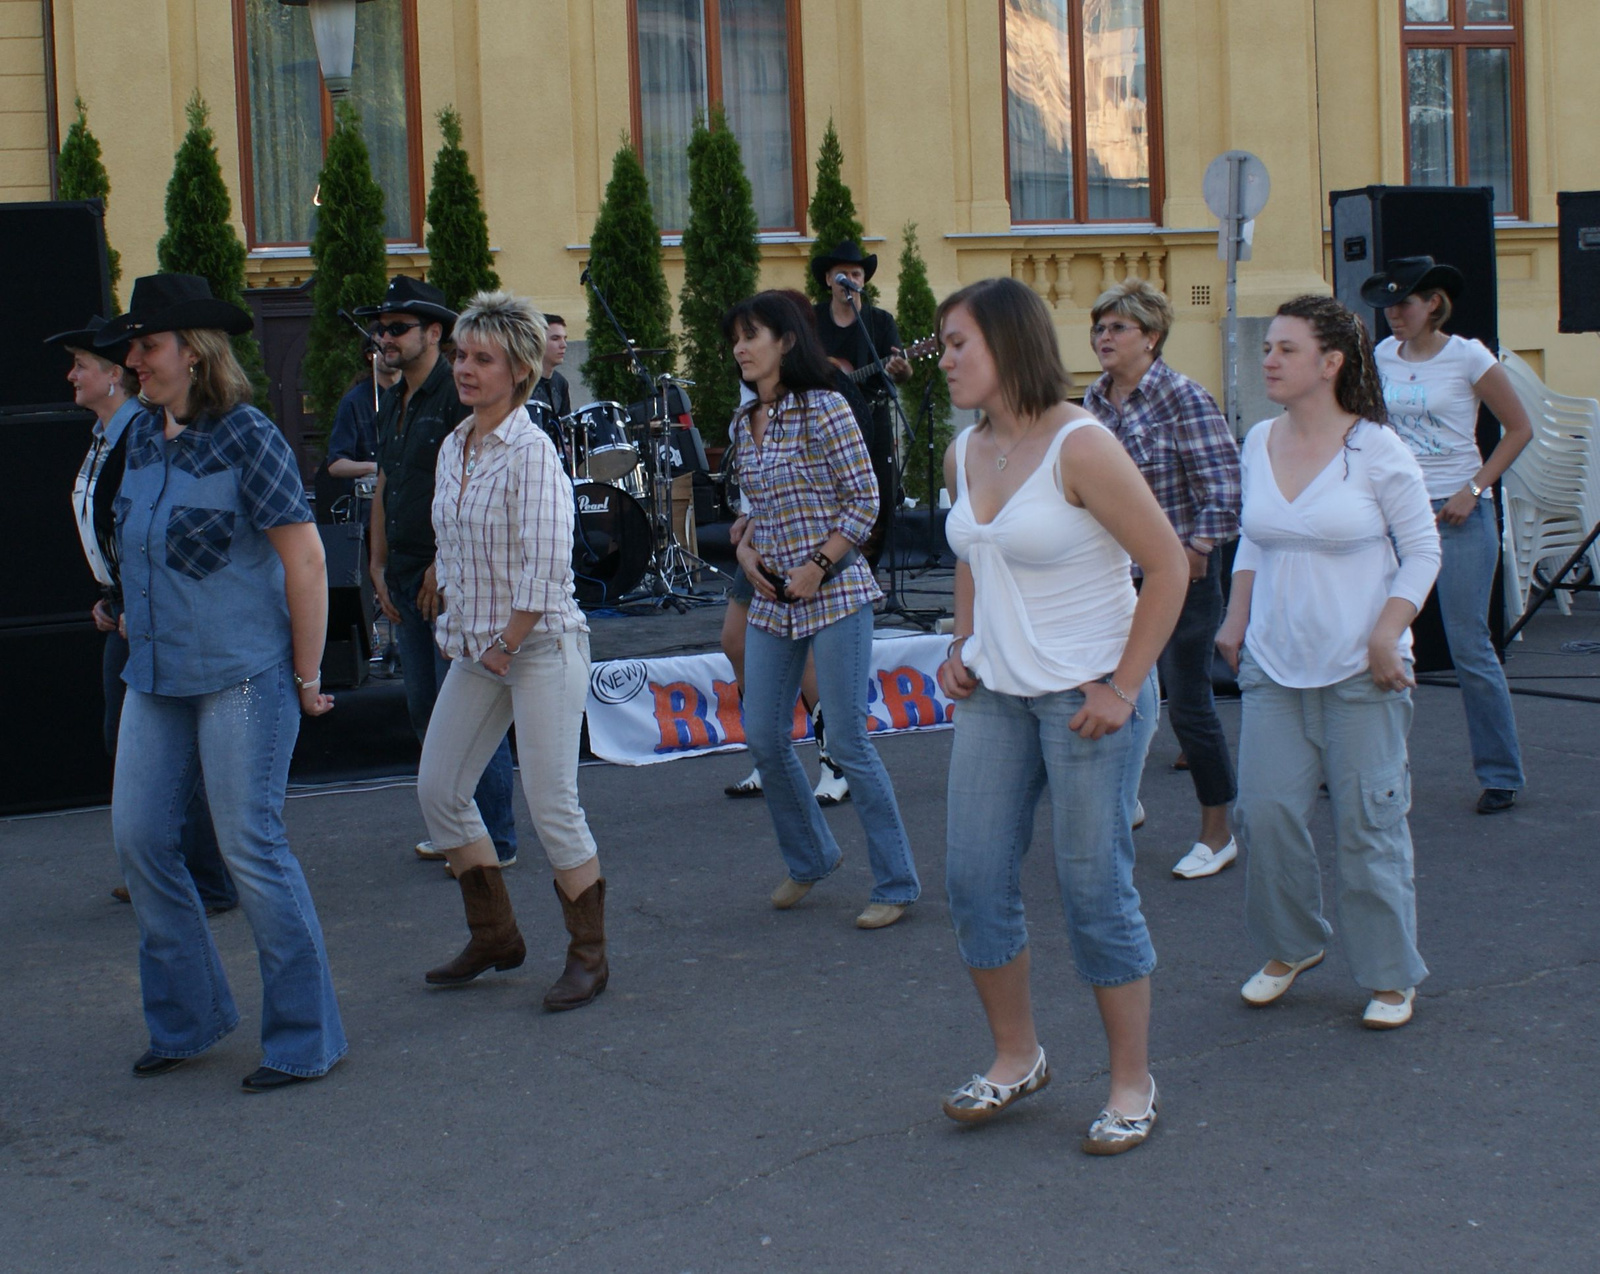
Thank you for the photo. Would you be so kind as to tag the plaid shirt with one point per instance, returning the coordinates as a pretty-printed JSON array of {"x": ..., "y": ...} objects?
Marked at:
[
  {"x": 810, "y": 477},
  {"x": 1178, "y": 437}
]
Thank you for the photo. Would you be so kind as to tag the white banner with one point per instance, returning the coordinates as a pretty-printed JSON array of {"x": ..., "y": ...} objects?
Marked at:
[{"x": 646, "y": 710}]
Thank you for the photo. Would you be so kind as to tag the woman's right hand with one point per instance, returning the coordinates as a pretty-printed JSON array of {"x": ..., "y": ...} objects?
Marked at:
[
  {"x": 103, "y": 619},
  {"x": 313, "y": 702},
  {"x": 955, "y": 678},
  {"x": 1230, "y": 640},
  {"x": 750, "y": 564}
]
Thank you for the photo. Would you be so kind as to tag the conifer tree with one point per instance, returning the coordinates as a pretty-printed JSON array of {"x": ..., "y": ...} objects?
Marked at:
[
  {"x": 914, "y": 318},
  {"x": 460, "y": 263},
  {"x": 200, "y": 237},
  {"x": 348, "y": 251},
  {"x": 81, "y": 175},
  {"x": 832, "y": 212},
  {"x": 625, "y": 261},
  {"x": 722, "y": 262}
]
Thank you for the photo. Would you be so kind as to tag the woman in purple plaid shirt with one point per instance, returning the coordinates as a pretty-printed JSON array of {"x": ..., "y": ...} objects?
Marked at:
[
  {"x": 806, "y": 474},
  {"x": 1178, "y": 437}
]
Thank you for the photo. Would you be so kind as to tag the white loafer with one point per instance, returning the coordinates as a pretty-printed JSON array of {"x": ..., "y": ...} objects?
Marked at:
[
  {"x": 1138, "y": 814},
  {"x": 1266, "y": 988},
  {"x": 1381, "y": 1016},
  {"x": 1202, "y": 860}
]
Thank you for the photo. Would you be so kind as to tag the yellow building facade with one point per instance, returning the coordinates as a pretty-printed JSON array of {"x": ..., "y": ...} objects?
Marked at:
[{"x": 1327, "y": 92}]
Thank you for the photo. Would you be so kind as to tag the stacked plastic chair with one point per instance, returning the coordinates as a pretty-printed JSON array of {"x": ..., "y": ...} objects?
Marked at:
[{"x": 1552, "y": 491}]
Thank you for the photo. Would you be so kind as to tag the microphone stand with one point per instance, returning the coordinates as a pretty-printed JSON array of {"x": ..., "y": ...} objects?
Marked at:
[
  {"x": 369, "y": 344},
  {"x": 927, "y": 620}
]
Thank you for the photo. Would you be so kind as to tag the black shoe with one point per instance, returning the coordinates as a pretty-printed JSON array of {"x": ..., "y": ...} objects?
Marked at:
[
  {"x": 265, "y": 1080},
  {"x": 1496, "y": 800},
  {"x": 220, "y": 908},
  {"x": 152, "y": 1064}
]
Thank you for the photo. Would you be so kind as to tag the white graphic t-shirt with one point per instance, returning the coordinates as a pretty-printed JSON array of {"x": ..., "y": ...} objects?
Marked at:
[{"x": 1434, "y": 408}]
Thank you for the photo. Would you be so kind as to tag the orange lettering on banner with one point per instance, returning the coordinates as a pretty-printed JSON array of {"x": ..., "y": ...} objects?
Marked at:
[
  {"x": 908, "y": 698},
  {"x": 729, "y": 716},
  {"x": 681, "y": 717},
  {"x": 802, "y": 721}
]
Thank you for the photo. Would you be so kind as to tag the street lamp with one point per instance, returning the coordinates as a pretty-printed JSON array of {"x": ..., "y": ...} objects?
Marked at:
[{"x": 333, "y": 27}]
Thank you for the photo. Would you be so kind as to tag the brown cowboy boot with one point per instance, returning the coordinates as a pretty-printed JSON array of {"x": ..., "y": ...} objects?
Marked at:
[
  {"x": 587, "y": 971},
  {"x": 496, "y": 943}
]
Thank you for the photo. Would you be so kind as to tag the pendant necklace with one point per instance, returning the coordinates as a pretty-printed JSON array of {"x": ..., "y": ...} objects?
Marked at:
[
  {"x": 472, "y": 458},
  {"x": 1000, "y": 461}
]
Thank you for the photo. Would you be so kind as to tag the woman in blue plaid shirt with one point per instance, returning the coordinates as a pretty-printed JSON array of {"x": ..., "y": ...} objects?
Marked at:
[{"x": 807, "y": 477}]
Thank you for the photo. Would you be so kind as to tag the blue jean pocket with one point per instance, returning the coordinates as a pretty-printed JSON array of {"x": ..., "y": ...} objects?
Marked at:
[{"x": 199, "y": 540}]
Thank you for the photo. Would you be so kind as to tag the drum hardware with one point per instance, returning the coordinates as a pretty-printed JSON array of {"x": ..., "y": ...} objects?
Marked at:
[{"x": 629, "y": 354}]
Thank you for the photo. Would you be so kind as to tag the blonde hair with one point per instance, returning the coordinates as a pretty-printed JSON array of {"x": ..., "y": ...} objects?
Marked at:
[
  {"x": 1437, "y": 318},
  {"x": 125, "y": 378},
  {"x": 1142, "y": 302},
  {"x": 219, "y": 383},
  {"x": 512, "y": 323}
]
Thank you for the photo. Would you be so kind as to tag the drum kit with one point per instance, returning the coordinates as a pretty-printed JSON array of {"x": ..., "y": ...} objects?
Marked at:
[{"x": 621, "y": 469}]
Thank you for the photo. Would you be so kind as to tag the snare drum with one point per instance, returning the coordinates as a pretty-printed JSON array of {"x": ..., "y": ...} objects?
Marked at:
[{"x": 603, "y": 430}]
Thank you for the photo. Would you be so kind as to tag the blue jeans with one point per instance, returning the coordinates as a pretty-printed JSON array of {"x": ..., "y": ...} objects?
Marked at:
[
  {"x": 1466, "y": 575},
  {"x": 1185, "y": 667},
  {"x": 772, "y": 671},
  {"x": 241, "y": 738},
  {"x": 425, "y": 668},
  {"x": 1007, "y": 750},
  {"x": 199, "y": 843}
]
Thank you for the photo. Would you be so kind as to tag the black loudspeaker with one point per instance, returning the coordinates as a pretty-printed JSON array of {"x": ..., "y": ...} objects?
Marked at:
[
  {"x": 1579, "y": 212},
  {"x": 348, "y": 650},
  {"x": 53, "y": 261},
  {"x": 52, "y": 749},
  {"x": 45, "y": 579},
  {"x": 1453, "y": 224}
]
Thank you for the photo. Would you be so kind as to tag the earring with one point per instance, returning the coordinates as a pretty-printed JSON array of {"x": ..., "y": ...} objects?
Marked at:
[{"x": 194, "y": 373}]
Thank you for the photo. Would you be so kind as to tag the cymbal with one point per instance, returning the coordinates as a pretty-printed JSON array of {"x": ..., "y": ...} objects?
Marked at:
[{"x": 623, "y": 356}]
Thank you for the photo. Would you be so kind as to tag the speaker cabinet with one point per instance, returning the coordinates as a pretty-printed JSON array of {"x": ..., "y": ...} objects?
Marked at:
[
  {"x": 347, "y": 653},
  {"x": 1579, "y": 239}
]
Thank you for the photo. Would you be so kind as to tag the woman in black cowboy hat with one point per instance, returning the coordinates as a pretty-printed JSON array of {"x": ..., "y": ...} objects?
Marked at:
[
  {"x": 225, "y": 596},
  {"x": 1432, "y": 385},
  {"x": 101, "y": 384}
]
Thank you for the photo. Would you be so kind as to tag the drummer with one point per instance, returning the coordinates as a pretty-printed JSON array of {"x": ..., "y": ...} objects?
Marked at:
[{"x": 552, "y": 389}]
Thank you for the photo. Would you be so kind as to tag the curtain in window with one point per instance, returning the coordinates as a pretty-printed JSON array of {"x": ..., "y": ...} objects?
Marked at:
[
  {"x": 1428, "y": 83},
  {"x": 672, "y": 91},
  {"x": 1115, "y": 114},
  {"x": 285, "y": 120},
  {"x": 1489, "y": 124},
  {"x": 286, "y": 115},
  {"x": 1039, "y": 109},
  {"x": 755, "y": 91}
]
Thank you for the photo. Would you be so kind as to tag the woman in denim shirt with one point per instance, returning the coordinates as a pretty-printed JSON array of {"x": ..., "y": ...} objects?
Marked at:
[{"x": 225, "y": 607}]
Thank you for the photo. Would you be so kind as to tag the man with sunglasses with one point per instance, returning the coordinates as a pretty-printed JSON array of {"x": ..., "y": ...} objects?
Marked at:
[{"x": 414, "y": 416}]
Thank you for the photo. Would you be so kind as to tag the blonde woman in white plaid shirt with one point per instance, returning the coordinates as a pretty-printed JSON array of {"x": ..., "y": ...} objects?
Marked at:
[{"x": 519, "y": 650}]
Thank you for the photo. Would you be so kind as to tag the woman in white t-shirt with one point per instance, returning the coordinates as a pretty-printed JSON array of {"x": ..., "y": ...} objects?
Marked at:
[
  {"x": 1433, "y": 383},
  {"x": 1337, "y": 550}
]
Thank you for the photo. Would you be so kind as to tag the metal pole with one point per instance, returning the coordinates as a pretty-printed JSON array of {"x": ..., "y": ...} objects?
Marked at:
[{"x": 1233, "y": 230}]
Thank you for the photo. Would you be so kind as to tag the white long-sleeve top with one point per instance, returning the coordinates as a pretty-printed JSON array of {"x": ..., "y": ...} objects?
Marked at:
[
  {"x": 1325, "y": 563},
  {"x": 505, "y": 540}
]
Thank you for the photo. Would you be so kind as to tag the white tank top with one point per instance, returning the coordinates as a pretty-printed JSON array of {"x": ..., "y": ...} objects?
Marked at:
[{"x": 1053, "y": 598}]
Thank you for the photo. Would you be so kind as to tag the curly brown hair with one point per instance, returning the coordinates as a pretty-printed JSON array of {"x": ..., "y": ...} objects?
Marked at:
[{"x": 1357, "y": 388}]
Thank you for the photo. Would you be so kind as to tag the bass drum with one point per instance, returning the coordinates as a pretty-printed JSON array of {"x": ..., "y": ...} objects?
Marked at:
[{"x": 610, "y": 544}]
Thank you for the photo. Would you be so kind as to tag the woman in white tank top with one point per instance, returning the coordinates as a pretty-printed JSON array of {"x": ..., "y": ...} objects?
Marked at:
[{"x": 1052, "y": 662}]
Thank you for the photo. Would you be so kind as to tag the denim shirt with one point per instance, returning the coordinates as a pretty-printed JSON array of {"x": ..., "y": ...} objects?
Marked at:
[{"x": 202, "y": 586}]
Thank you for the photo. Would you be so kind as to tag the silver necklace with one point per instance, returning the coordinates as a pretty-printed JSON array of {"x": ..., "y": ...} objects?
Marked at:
[
  {"x": 472, "y": 457},
  {"x": 1000, "y": 461}
]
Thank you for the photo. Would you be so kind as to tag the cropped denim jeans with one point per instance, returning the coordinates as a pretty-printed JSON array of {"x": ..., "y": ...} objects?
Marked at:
[
  {"x": 1008, "y": 749},
  {"x": 772, "y": 670},
  {"x": 1466, "y": 574},
  {"x": 240, "y": 739}
]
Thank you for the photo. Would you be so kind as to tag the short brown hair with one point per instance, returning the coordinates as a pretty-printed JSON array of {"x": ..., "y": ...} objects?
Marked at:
[
  {"x": 1021, "y": 338},
  {"x": 220, "y": 384},
  {"x": 1140, "y": 301}
]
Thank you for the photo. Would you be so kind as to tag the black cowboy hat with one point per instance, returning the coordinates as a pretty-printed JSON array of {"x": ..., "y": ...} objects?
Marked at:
[
  {"x": 412, "y": 296},
  {"x": 172, "y": 303},
  {"x": 83, "y": 338},
  {"x": 844, "y": 253},
  {"x": 1405, "y": 275}
]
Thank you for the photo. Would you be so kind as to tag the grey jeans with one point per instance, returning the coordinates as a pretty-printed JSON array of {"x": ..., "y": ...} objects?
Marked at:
[{"x": 1351, "y": 735}]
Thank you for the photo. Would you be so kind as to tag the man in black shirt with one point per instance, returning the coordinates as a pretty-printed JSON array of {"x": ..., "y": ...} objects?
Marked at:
[
  {"x": 414, "y": 415},
  {"x": 552, "y": 389}
]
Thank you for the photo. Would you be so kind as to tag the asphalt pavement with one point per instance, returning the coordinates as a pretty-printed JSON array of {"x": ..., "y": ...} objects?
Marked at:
[{"x": 760, "y": 1090}]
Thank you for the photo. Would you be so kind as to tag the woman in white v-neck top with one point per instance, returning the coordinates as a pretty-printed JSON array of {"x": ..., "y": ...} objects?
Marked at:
[
  {"x": 1052, "y": 664},
  {"x": 1337, "y": 551}
]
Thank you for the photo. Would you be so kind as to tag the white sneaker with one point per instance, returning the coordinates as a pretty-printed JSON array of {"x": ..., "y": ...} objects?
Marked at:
[
  {"x": 1138, "y": 815},
  {"x": 832, "y": 786},
  {"x": 1202, "y": 860}
]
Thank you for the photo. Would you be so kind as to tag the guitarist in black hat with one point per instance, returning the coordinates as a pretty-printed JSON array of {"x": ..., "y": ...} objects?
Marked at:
[{"x": 840, "y": 325}]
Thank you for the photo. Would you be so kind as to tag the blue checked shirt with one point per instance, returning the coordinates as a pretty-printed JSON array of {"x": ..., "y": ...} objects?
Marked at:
[
  {"x": 1181, "y": 442},
  {"x": 811, "y": 476},
  {"x": 202, "y": 586}
]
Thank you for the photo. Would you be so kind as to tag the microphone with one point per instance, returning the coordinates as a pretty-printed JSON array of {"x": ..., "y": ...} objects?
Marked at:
[
  {"x": 584, "y": 277},
  {"x": 848, "y": 282}
]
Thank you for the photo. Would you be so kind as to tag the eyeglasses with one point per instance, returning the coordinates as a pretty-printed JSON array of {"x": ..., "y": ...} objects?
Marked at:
[
  {"x": 1115, "y": 329},
  {"x": 393, "y": 329}
]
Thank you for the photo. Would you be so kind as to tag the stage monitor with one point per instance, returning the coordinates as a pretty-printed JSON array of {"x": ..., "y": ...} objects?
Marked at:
[
  {"x": 1579, "y": 237},
  {"x": 53, "y": 259}
]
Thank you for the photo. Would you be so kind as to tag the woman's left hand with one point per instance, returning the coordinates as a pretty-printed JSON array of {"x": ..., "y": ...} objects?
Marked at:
[
  {"x": 496, "y": 661},
  {"x": 1388, "y": 669},
  {"x": 1103, "y": 712},
  {"x": 804, "y": 581},
  {"x": 1458, "y": 508},
  {"x": 313, "y": 702}
]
